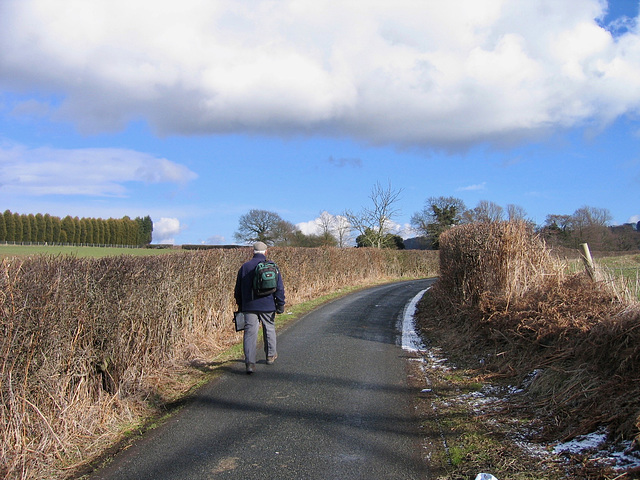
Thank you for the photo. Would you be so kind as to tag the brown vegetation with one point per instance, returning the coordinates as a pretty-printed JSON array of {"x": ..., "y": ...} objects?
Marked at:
[
  {"x": 88, "y": 343},
  {"x": 513, "y": 311}
]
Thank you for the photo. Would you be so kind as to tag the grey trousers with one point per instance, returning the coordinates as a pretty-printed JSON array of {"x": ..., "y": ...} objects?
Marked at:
[{"x": 250, "y": 339}]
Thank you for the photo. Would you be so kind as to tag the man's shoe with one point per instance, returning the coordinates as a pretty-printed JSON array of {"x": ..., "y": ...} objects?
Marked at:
[
  {"x": 272, "y": 359},
  {"x": 250, "y": 368}
]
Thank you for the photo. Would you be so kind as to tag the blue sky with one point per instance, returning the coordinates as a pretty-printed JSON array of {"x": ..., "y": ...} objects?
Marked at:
[{"x": 184, "y": 110}]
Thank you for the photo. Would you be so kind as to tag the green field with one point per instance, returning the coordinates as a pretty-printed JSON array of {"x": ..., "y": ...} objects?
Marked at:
[
  {"x": 624, "y": 270},
  {"x": 55, "y": 250}
]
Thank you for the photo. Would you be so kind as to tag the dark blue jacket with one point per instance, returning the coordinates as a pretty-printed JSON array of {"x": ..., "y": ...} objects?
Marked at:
[{"x": 243, "y": 292}]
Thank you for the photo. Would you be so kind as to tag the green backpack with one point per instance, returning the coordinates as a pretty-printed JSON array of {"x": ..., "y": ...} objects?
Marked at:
[{"x": 265, "y": 279}]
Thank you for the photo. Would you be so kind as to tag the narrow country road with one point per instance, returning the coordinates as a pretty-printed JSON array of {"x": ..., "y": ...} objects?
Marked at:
[{"x": 335, "y": 405}]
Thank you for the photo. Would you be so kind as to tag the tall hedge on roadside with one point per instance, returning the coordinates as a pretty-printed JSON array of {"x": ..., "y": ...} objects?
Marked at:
[
  {"x": 518, "y": 312},
  {"x": 497, "y": 259},
  {"x": 85, "y": 341}
]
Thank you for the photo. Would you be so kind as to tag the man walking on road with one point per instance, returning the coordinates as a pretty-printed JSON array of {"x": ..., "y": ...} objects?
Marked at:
[{"x": 258, "y": 308}]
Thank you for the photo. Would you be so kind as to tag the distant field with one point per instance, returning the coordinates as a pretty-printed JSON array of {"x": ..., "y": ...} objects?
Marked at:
[
  {"x": 622, "y": 262},
  {"x": 625, "y": 269},
  {"x": 26, "y": 250}
]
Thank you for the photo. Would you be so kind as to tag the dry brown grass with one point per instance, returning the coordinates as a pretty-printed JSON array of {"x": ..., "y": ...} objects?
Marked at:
[
  {"x": 487, "y": 260},
  {"x": 516, "y": 310},
  {"x": 88, "y": 345}
]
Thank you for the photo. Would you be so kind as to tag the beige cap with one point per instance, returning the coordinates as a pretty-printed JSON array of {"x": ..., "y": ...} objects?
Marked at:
[{"x": 259, "y": 247}]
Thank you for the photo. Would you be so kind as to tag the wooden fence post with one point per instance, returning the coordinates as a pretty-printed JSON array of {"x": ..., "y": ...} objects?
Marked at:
[{"x": 588, "y": 261}]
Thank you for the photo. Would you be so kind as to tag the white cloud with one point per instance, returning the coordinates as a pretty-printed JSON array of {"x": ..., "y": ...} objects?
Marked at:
[
  {"x": 403, "y": 230},
  {"x": 332, "y": 222},
  {"x": 165, "y": 230},
  {"x": 88, "y": 171},
  {"x": 443, "y": 74},
  {"x": 312, "y": 227}
]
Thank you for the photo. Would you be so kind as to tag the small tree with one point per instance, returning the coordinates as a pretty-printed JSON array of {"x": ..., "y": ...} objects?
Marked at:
[
  {"x": 56, "y": 227},
  {"x": 375, "y": 223},
  {"x": 17, "y": 225},
  {"x": 69, "y": 229},
  {"x": 334, "y": 229},
  {"x": 590, "y": 225},
  {"x": 145, "y": 230},
  {"x": 438, "y": 215},
  {"x": 327, "y": 224},
  {"x": 26, "y": 228},
  {"x": 342, "y": 231},
  {"x": 40, "y": 227}
]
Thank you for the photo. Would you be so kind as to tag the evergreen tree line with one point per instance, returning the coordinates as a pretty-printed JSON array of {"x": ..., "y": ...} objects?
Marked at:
[{"x": 39, "y": 228}]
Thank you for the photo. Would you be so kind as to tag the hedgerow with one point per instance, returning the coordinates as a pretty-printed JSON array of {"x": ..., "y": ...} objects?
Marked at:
[{"x": 89, "y": 345}]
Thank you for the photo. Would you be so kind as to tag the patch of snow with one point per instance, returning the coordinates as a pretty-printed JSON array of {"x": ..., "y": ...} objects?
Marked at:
[
  {"x": 582, "y": 443},
  {"x": 624, "y": 458},
  {"x": 532, "y": 449},
  {"x": 410, "y": 339},
  {"x": 620, "y": 456}
]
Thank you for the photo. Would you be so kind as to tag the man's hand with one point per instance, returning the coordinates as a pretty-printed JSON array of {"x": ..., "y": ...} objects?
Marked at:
[{"x": 280, "y": 309}]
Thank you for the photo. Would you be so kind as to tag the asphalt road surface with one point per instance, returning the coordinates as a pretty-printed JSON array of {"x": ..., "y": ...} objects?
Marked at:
[{"x": 335, "y": 405}]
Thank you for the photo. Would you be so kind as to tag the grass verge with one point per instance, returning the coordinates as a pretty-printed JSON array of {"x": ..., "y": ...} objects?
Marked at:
[{"x": 468, "y": 427}]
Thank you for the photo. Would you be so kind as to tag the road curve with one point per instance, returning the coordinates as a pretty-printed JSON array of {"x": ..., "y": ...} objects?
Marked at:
[{"x": 335, "y": 405}]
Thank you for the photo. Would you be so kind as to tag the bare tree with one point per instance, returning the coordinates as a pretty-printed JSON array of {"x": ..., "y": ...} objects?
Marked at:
[
  {"x": 591, "y": 217},
  {"x": 326, "y": 224},
  {"x": 590, "y": 225},
  {"x": 516, "y": 212},
  {"x": 375, "y": 222},
  {"x": 334, "y": 229},
  {"x": 586, "y": 225},
  {"x": 558, "y": 222},
  {"x": 259, "y": 226},
  {"x": 342, "y": 231},
  {"x": 486, "y": 212},
  {"x": 285, "y": 233}
]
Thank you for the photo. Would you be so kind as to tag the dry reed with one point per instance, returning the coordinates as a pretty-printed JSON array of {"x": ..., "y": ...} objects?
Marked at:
[{"x": 86, "y": 343}]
